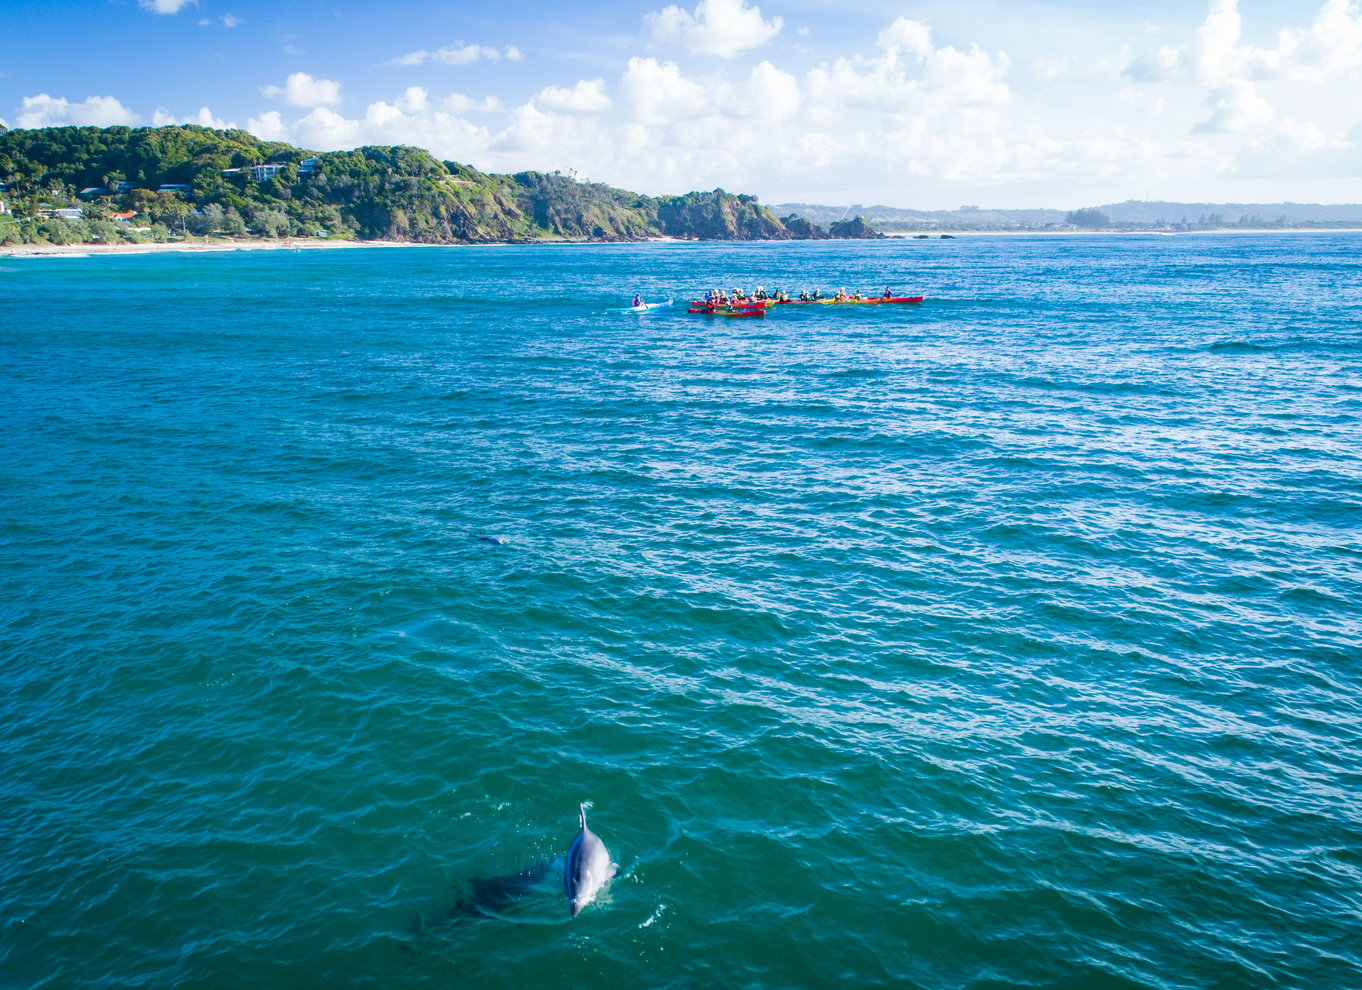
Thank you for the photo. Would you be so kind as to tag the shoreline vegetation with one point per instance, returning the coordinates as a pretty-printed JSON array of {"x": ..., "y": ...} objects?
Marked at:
[
  {"x": 122, "y": 185},
  {"x": 91, "y": 190}
]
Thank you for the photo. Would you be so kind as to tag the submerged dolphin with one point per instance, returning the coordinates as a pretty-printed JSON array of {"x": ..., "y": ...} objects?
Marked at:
[
  {"x": 588, "y": 868},
  {"x": 492, "y": 897}
]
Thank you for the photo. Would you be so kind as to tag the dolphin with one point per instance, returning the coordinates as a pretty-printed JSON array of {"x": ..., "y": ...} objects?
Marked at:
[{"x": 588, "y": 868}]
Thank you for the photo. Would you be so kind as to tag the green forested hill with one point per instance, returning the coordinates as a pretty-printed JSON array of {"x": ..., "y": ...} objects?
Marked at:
[{"x": 394, "y": 193}]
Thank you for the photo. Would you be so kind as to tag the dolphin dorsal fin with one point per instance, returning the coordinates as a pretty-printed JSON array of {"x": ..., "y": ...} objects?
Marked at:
[{"x": 582, "y": 807}]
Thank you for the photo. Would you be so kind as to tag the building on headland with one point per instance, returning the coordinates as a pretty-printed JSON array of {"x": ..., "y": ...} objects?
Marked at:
[
  {"x": 259, "y": 173},
  {"x": 179, "y": 187},
  {"x": 61, "y": 213},
  {"x": 308, "y": 165}
]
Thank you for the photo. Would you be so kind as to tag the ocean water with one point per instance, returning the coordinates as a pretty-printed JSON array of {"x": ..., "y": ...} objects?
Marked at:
[{"x": 1009, "y": 640}]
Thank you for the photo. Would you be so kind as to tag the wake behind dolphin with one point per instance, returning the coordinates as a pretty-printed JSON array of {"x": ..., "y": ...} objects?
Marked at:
[{"x": 588, "y": 867}]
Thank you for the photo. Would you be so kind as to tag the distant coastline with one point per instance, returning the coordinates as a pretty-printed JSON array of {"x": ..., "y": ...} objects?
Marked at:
[{"x": 226, "y": 246}]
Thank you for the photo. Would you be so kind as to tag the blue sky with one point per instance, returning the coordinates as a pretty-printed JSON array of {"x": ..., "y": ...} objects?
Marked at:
[{"x": 932, "y": 104}]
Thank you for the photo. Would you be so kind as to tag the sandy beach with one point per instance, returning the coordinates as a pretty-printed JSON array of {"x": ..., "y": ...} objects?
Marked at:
[{"x": 186, "y": 247}]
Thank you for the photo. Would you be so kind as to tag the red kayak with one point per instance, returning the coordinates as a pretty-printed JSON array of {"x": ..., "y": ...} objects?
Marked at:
[
  {"x": 740, "y": 309},
  {"x": 725, "y": 311}
]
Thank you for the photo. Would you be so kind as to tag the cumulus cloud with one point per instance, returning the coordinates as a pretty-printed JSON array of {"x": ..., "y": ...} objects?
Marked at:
[
  {"x": 1158, "y": 66},
  {"x": 269, "y": 126},
  {"x": 1053, "y": 68},
  {"x": 459, "y": 54},
  {"x": 204, "y": 118},
  {"x": 460, "y": 103},
  {"x": 910, "y": 76},
  {"x": 1237, "y": 76},
  {"x": 716, "y": 27},
  {"x": 412, "y": 118},
  {"x": 657, "y": 93},
  {"x": 903, "y": 111},
  {"x": 414, "y": 99},
  {"x": 166, "y": 6},
  {"x": 302, "y": 90},
  {"x": 1236, "y": 106},
  {"x": 771, "y": 94},
  {"x": 588, "y": 96},
  {"x": 1331, "y": 45},
  {"x": 97, "y": 111}
]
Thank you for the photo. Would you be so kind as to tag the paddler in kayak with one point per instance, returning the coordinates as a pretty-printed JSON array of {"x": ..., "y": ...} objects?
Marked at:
[{"x": 638, "y": 301}]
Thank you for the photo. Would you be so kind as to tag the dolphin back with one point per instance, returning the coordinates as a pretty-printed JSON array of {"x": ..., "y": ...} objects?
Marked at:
[{"x": 587, "y": 868}]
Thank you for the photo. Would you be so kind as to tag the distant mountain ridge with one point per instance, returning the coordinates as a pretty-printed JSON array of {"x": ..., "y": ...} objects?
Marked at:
[{"x": 1130, "y": 214}]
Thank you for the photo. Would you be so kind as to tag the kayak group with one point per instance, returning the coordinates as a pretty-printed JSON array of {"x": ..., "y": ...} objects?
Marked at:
[{"x": 716, "y": 302}]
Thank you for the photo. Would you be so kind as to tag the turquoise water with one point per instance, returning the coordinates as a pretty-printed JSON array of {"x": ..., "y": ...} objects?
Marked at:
[{"x": 1009, "y": 640}]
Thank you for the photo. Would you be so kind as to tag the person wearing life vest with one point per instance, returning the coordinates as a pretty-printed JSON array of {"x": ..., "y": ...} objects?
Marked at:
[{"x": 638, "y": 301}]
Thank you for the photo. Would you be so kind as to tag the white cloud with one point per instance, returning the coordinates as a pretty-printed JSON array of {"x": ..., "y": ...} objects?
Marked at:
[
  {"x": 413, "y": 118},
  {"x": 1236, "y": 106},
  {"x": 327, "y": 130},
  {"x": 911, "y": 77},
  {"x": 1330, "y": 46},
  {"x": 302, "y": 90},
  {"x": 657, "y": 93},
  {"x": 717, "y": 27},
  {"x": 588, "y": 96},
  {"x": 166, "y": 6},
  {"x": 1053, "y": 68},
  {"x": 227, "y": 21},
  {"x": 459, "y": 54},
  {"x": 97, "y": 111},
  {"x": 269, "y": 126},
  {"x": 1158, "y": 66},
  {"x": 1217, "y": 55},
  {"x": 1301, "y": 149},
  {"x": 458, "y": 103},
  {"x": 414, "y": 99},
  {"x": 771, "y": 94},
  {"x": 204, "y": 118},
  {"x": 1257, "y": 91},
  {"x": 902, "y": 114}
]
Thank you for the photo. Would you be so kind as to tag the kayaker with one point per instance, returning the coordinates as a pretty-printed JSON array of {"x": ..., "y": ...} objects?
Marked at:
[
  {"x": 887, "y": 293},
  {"x": 638, "y": 301}
]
